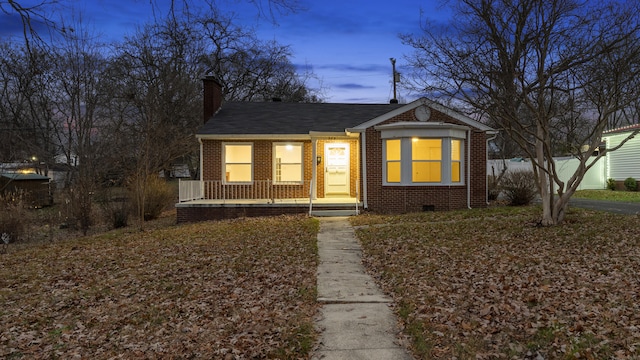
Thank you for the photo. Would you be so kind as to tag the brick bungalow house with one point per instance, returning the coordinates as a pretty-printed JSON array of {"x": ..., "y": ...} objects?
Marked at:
[{"x": 273, "y": 158}]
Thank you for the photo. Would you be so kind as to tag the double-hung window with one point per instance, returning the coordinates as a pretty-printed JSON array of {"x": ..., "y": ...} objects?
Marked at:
[
  {"x": 426, "y": 160},
  {"x": 456, "y": 160},
  {"x": 287, "y": 167},
  {"x": 393, "y": 159},
  {"x": 237, "y": 166}
]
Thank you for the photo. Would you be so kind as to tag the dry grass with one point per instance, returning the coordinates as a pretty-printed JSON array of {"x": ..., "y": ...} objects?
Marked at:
[
  {"x": 240, "y": 289},
  {"x": 489, "y": 284}
]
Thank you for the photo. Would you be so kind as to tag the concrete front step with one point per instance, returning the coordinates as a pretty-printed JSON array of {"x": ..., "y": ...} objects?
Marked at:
[{"x": 327, "y": 213}]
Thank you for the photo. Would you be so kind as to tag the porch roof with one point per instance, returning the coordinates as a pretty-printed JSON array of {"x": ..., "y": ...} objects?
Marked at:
[{"x": 261, "y": 118}]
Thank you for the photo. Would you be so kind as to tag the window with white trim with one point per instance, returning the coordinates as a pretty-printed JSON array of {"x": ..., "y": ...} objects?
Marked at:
[
  {"x": 426, "y": 160},
  {"x": 456, "y": 161},
  {"x": 393, "y": 161},
  {"x": 287, "y": 162},
  {"x": 423, "y": 161},
  {"x": 237, "y": 166}
]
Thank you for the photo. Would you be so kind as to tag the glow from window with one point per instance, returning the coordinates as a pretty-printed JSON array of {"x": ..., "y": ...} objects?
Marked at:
[
  {"x": 287, "y": 165},
  {"x": 456, "y": 160},
  {"x": 238, "y": 165},
  {"x": 393, "y": 157}
]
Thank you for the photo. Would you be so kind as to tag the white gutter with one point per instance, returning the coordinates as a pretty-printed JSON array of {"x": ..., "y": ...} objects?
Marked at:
[
  {"x": 469, "y": 169},
  {"x": 201, "y": 159},
  {"x": 486, "y": 190},
  {"x": 201, "y": 170},
  {"x": 284, "y": 137},
  {"x": 314, "y": 168},
  {"x": 363, "y": 143}
]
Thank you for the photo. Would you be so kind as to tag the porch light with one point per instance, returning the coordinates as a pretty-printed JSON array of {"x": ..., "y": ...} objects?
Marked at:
[
  {"x": 289, "y": 147},
  {"x": 318, "y": 159}
]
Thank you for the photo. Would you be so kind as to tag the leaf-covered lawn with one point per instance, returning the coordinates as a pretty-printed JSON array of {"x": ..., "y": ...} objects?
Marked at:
[
  {"x": 241, "y": 289},
  {"x": 489, "y": 284},
  {"x": 624, "y": 196}
]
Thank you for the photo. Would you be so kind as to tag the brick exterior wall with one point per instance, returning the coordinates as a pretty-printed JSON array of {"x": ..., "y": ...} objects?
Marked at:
[
  {"x": 205, "y": 213},
  {"x": 212, "y": 100},
  {"x": 402, "y": 199},
  {"x": 263, "y": 161}
]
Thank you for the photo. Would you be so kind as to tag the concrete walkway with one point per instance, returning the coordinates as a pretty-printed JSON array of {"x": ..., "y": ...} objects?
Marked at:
[{"x": 356, "y": 321}]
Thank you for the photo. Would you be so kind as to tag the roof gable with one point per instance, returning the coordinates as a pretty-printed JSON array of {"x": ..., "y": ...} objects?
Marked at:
[{"x": 415, "y": 104}]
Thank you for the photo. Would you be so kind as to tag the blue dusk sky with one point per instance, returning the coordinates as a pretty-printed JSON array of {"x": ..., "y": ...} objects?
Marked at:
[{"x": 347, "y": 44}]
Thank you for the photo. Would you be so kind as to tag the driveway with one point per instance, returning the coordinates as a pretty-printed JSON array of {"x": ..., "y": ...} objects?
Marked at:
[{"x": 610, "y": 206}]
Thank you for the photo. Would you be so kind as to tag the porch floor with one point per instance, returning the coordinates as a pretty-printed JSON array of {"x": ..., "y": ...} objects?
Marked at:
[{"x": 321, "y": 202}]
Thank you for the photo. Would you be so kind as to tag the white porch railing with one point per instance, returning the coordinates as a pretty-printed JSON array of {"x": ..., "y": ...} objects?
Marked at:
[
  {"x": 258, "y": 189},
  {"x": 189, "y": 190}
]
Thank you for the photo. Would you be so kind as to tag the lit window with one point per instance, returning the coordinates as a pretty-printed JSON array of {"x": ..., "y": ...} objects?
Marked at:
[
  {"x": 238, "y": 162},
  {"x": 287, "y": 165},
  {"x": 393, "y": 158},
  {"x": 423, "y": 161},
  {"x": 426, "y": 160},
  {"x": 456, "y": 160}
]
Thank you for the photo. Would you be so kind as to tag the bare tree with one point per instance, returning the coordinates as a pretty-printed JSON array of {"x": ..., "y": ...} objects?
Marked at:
[
  {"x": 538, "y": 69},
  {"x": 27, "y": 117},
  {"x": 250, "y": 69},
  {"x": 155, "y": 102}
]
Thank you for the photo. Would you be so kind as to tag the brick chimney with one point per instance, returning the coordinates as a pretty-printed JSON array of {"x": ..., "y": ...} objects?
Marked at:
[{"x": 212, "y": 99}]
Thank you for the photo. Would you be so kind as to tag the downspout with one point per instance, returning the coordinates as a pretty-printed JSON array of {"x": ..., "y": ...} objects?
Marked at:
[
  {"x": 201, "y": 167},
  {"x": 201, "y": 157},
  {"x": 469, "y": 169},
  {"x": 363, "y": 146},
  {"x": 486, "y": 150}
]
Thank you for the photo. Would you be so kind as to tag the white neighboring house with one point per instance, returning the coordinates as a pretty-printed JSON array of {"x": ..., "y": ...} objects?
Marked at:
[
  {"x": 624, "y": 162},
  {"x": 566, "y": 166},
  {"x": 618, "y": 165}
]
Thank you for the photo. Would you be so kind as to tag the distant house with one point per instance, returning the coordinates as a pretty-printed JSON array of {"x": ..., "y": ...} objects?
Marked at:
[
  {"x": 276, "y": 158},
  {"x": 624, "y": 162},
  {"x": 35, "y": 187}
]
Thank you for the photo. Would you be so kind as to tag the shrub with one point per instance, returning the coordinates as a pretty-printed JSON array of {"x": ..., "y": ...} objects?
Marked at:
[
  {"x": 493, "y": 187},
  {"x": 13, "y": 217},
  {"x": 79, "y": 205},
  {"x": 630, "y": 184},
  {"x": 116, "y": 209},
  {"x": 611, "y": 184},
  {"x": 158, "y": 196},
  {"x": 519, "y": 187}
]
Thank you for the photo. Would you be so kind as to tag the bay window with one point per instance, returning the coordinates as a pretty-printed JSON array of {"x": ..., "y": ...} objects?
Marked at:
[{"x": 422, "y": 153}]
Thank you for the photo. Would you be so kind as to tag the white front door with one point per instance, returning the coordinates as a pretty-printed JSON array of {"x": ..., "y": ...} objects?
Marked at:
[{"x": 336, "y": 169}]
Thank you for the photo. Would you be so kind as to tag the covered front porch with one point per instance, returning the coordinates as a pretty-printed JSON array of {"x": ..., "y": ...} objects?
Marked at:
[{"x": 215, "y": 199}]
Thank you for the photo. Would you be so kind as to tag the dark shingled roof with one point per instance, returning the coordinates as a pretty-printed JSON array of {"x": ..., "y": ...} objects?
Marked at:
[
  {"x": 628, "y": 128},
  {"x": 264, "y": 118},
  {"x": 19, "y": 176}
]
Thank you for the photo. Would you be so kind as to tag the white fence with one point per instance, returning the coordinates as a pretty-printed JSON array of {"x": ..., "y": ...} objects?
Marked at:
[
  {"x": 595, "y": 178},
  {"x": 189, "y": 190}
]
